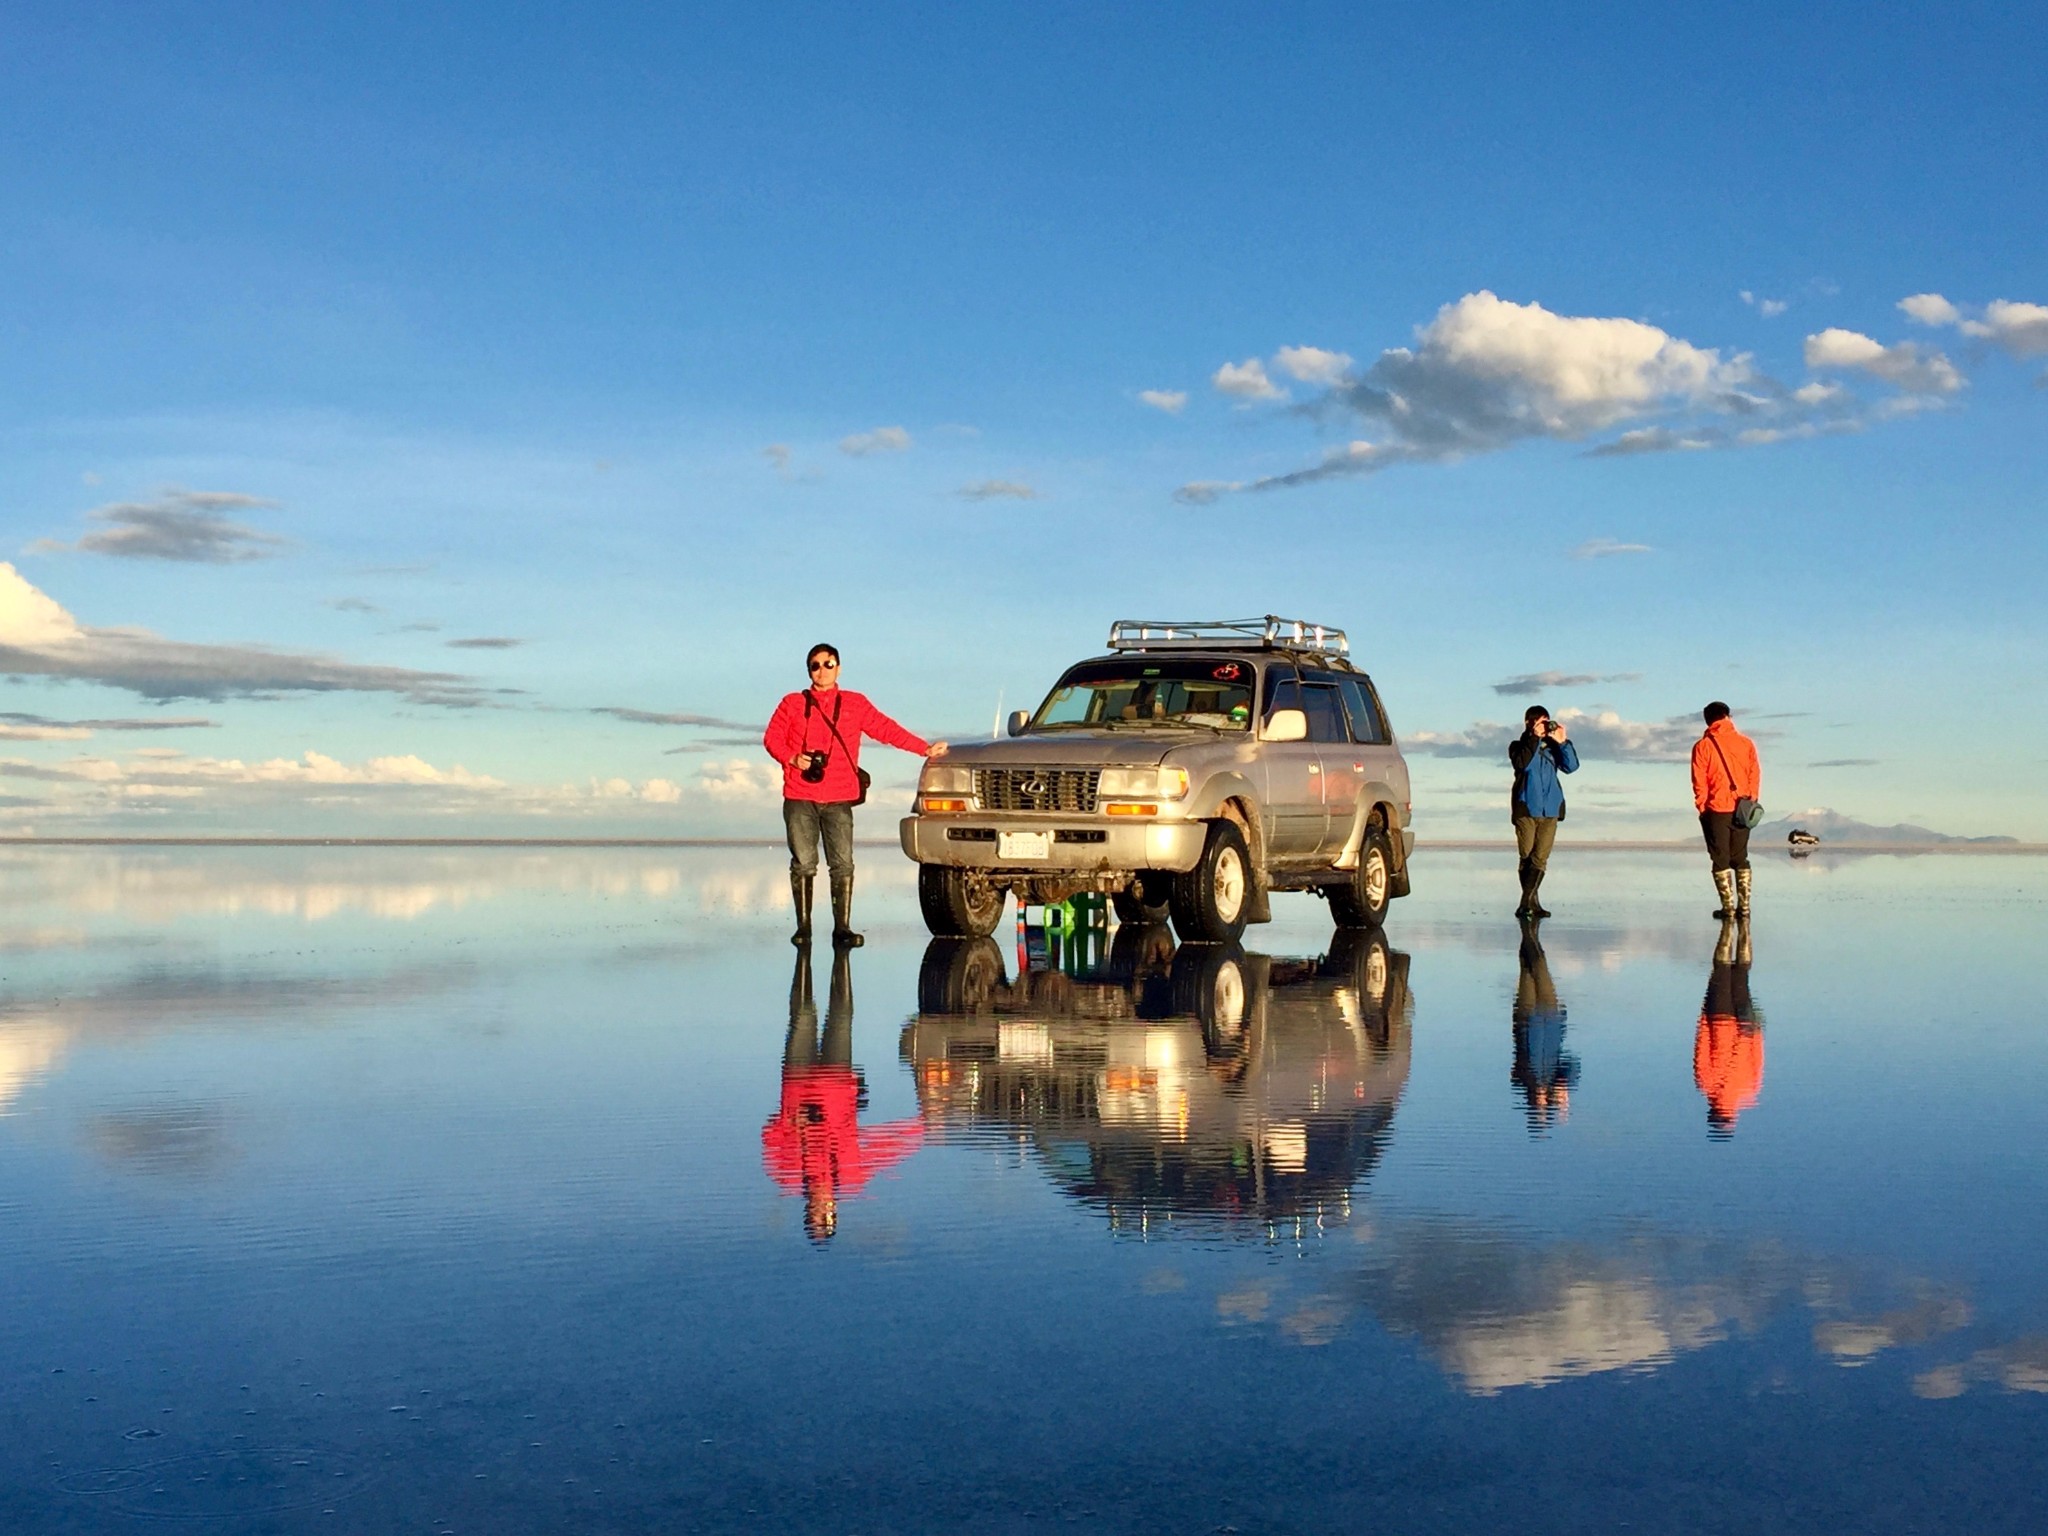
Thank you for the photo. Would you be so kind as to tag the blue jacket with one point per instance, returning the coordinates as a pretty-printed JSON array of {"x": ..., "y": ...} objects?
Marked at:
[{"x": 1537, "y": 763}]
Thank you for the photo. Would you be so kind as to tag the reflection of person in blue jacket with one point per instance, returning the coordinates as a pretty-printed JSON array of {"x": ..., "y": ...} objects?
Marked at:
[
  {"x": 1538, "y": 756},
  {"x": 1544, "y": 1071}
]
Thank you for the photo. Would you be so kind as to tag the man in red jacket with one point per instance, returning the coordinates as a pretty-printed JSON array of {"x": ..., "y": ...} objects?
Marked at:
[
  {"x": 815, "y": 736},
  {"x": 1725, "y": 769}
]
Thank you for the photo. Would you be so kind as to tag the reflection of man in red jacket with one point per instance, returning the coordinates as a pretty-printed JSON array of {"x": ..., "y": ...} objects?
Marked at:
[
  {"x": 815, "y": 736},
  {"x": 1728, "y": 1050},
  {"x": 813, "y": 1144}
]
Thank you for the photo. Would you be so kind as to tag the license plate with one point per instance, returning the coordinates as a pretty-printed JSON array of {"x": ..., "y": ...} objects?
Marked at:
[{"x": 1023, "y": 845}]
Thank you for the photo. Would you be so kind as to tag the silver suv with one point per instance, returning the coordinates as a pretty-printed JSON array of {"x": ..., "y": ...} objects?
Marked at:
[{"x": 1195, "y": 769}]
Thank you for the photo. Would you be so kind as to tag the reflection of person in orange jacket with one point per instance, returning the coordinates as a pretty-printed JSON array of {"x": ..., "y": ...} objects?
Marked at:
[
  {"x": 814, "y": 1145},
  {"x": 1728, "y": 1050}
]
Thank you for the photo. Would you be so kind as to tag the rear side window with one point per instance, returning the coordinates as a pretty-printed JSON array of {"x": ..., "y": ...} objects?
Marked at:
[
  {"x": 1281, "y": 693},
  {"x": 1364, "y": 711},
  {"x": 1325, "y": 713}
]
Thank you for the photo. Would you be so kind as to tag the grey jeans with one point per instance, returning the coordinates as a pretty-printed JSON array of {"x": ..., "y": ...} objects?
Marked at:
[
  {"x": 805, "y": 821},
  {"x": 1534, "y": 838}
]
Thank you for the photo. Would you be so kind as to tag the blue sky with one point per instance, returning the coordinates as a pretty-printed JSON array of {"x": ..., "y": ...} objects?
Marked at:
[{"x": 651, "y": 343}]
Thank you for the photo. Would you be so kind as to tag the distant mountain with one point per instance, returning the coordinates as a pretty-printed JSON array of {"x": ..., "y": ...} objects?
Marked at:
[{"x": 1833, "y": 827}]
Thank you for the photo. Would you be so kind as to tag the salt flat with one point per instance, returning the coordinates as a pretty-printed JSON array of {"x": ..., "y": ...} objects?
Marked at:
[{"x": 549, "y": 1189}]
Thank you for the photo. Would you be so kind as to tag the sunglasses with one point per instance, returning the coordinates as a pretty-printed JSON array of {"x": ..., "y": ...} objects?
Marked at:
[{"x": 823, "y": 666}]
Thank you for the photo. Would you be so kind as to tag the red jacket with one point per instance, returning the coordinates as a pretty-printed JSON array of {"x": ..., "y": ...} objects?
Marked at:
[
  {"x": 1727, "y": 1065},
  {"x": 1712, "y": 789},
  {"x": 816, "y": 1138},
  {"x": 793, "y": 730}
]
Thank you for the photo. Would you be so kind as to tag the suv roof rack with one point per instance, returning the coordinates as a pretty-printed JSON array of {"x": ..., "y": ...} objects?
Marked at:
[{"x": 1268, "y": 632}]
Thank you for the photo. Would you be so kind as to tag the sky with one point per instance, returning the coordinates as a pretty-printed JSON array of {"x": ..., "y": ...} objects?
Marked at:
[{"x": 459, "y": 419}]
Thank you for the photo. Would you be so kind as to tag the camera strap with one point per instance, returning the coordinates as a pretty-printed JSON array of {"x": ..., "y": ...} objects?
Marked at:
[{"x": 831, "y": 720}]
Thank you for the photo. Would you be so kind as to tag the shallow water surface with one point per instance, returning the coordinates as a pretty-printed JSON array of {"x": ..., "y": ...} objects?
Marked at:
[{"x": 539, "y": 1190}]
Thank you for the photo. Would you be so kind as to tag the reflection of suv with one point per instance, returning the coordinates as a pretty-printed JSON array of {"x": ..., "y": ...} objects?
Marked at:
[
  {"x": 1196, "y": 768},
  {"x": 1173, "y": 1087}
]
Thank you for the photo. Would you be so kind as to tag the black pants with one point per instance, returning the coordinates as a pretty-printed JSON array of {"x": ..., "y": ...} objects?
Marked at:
[{"x": 1727, "y": 839}]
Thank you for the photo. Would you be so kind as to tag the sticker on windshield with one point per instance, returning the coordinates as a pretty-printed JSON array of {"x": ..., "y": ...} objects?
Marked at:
[{"x": 1229, "y": 672}]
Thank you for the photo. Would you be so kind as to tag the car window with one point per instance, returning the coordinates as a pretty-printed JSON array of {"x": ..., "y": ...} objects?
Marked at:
[
  {"x": 1364, "y": 711},
  {"x": 1282, "y": 692},
  {"x": 1209, "y": 691},
  {"x": 1325, "y": 713}
]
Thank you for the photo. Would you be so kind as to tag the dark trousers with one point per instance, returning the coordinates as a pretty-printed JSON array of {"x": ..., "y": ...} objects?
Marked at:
[
  {"x": 1727, "y": 839},
  {"x": 806, "y": 821}
]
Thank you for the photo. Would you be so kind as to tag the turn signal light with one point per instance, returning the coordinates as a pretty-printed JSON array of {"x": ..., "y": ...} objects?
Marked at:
[
  {"x": 1130, "y": 810},
  {"x": 932, "y": 803}
]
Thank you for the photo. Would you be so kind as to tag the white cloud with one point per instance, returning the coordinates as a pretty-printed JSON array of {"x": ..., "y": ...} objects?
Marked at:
[
  {"x": 1536, "y": 682},
  {"x": 2021, "y": 329},
  {"x": 778, "y": 455},
  {"x": 1601, "y": 548},
  {"x": 1313, "y": 365},
  {"x": 741, "y": 781},
  {"x": 38, "y": 638},
  {"x": 1770, "y": 309},
  {"x": 1246, "y": 381},
  {"x": 997, "y": 490},
  {"x": 882, "y": 440},
  {"x": 1601, "y": 736},
  {"x": 1909, "y": 366},
  {"x": 1930, "y": 309},
  {"x": 1171, "y": 401}
]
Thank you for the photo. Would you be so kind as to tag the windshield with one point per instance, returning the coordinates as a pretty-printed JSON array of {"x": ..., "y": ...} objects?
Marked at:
[{"x": 1207, "y": 691}]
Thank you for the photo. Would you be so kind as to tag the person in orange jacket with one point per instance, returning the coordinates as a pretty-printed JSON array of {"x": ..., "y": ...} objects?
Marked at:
[
  {"x": 1728, "y": 1047},
  {"x": 1725, "y": 768},
  {"x": 813, "y": 1144}
]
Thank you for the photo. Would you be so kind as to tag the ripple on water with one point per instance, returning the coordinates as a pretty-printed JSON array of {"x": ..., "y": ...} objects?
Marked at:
[{"x": 224, "y": 1484}]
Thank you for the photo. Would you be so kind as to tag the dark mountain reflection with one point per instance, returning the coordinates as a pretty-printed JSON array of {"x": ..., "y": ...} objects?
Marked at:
[{"x": 1204, "y": 1084}]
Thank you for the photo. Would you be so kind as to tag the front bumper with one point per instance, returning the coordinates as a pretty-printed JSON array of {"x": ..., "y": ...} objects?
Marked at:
[{"x": 1170, "y": 845}]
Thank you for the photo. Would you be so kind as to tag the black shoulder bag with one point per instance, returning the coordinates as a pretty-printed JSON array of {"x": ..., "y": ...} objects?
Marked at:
[
  {"x": 1747, "y": 811},
  {"x": 832, "y": 723}
]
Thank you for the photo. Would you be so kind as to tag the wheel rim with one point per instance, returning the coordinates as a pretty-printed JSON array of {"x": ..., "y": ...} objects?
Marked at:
[
  {"x": 1227, "y": 1000},
  {"x": 1228, "y": 884},
  {"x": 1374, "y": 879}
]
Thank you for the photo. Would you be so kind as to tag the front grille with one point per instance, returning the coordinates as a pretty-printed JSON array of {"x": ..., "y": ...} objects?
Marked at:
[{"x": 1037, "y": 789}]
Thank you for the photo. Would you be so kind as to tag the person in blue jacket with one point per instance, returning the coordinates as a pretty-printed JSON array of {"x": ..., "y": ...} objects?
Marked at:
[{"x": 1538, "y": 755}]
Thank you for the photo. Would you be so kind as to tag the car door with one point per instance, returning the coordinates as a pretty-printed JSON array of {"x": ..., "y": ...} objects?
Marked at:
[
  {"x": 1293, "y": 778},
  {"x": 1343, "y": 759}
]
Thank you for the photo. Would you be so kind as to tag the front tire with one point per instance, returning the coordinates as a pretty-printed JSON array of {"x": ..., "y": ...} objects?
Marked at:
[
  {"x": 1209, "y": 902},
  {"x": 955, "y": 906},
  {"x": 1361, "y": 902}
]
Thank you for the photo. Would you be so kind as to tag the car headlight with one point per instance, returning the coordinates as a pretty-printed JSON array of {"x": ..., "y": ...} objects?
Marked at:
[
  {"x": 943, "y": 778},
  {"x": 1142, "y": 783}
]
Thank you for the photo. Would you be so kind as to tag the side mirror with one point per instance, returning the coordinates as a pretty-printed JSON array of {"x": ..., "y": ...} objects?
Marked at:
[
  {"x": 1019, "y": 718},
  {"x": 1285, "y": 725}
]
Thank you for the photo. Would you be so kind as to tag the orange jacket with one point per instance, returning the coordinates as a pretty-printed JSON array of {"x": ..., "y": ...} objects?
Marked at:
[
  {"x": 1727, "y": 1066},
  {"x": 1712, "y": 789}
]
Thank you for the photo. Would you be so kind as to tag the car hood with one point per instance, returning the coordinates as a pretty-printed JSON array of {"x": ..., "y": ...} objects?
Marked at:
[{"x": 1082, "y": 749}]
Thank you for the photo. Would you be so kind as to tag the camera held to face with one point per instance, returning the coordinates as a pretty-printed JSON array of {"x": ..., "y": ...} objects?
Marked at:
[{"x": 813, "y": 769}]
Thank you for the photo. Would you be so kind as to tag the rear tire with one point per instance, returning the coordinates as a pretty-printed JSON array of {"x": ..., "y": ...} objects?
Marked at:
[
  {"x": 953, "y": 906},
  {"x": 1210, "y": 901},
  {"x": 1361, "y": 902}
]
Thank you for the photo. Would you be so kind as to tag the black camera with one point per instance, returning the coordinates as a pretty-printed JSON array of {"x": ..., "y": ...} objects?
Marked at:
[{"x": 813, "y": 770}]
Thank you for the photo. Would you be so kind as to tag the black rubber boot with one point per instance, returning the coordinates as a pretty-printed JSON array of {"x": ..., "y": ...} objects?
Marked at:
[
  {"x": 800, "y": 894},
  {"x": 1536, "y": 907},
  {"x": 843, "y": 936}
]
